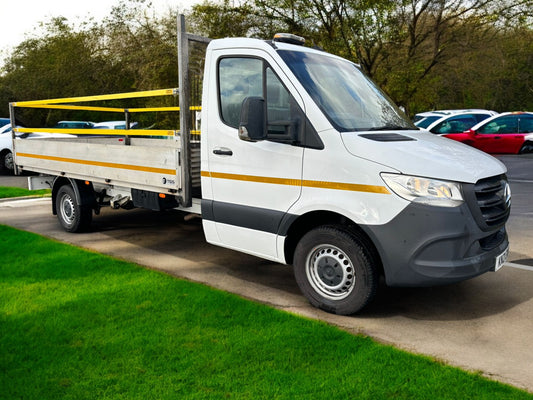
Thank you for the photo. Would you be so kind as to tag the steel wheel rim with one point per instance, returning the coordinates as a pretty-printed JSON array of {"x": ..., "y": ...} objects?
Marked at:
[
  {"x": 67, "y": 209},
  {"x": 8, "y": 161},
  {"x": 330, "y": 272}
]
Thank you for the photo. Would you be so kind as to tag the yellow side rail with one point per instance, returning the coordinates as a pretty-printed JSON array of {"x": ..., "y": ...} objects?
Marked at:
[
  {"x": 116, "y": 96},
  {"x": 58, "y": 104},
  {"x": 106, "y": 132}
]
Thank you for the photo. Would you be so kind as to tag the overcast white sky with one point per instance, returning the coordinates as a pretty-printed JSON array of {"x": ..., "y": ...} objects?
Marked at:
[{"x": 20, "y": 17}]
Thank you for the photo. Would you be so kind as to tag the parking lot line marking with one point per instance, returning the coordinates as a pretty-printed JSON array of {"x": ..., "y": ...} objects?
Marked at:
[
  {"x": 521, "y": 180},
  {"x": 518, "y": 266}
]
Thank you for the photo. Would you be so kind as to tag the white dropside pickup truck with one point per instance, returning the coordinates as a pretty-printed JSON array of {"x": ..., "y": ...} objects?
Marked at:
[{"x": 301, "y": 160}]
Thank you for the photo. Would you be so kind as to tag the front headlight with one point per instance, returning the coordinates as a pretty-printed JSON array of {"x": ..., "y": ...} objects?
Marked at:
[{"x": 424, "y": 190}]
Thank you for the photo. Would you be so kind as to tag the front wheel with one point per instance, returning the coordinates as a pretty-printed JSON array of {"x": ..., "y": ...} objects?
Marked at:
[
  {"x": 6, "y": 162},
  {"x": 72, "y": 216},
  {"x": 336, "y": 270}
]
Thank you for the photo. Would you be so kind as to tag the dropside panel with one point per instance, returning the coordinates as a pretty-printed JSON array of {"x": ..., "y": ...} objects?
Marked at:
[{"x": 148, "y": 164}]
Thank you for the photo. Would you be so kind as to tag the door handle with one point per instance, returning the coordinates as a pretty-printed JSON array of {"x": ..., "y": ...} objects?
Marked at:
[{"x": 223, "y": 152}]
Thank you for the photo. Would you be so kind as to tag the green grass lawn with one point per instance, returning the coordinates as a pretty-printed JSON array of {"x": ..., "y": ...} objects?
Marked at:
[
  {"x": 6, "y": 192},
  {"x": 80, "y": 325}
]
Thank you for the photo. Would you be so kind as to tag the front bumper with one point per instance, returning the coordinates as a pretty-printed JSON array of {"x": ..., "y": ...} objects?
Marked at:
[{"x": 428, "y": 246}]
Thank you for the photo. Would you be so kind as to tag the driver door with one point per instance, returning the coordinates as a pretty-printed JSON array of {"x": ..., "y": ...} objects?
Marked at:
[{"x": 253, "y": 184}]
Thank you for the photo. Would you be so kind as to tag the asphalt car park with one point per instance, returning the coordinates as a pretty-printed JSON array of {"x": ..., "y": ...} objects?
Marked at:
[{"x": 484, "y": 324}]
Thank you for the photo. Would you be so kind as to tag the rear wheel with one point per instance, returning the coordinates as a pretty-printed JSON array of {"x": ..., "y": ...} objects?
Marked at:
[
  {"x": 72, "y": 216},
  {"x": 335, "y": 269},
  {"x": 527, "y": 147}
]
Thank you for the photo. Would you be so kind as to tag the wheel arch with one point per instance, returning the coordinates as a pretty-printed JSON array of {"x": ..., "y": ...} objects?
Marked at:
[
  {"x": 314, "y": 219},
  {"x": 83, "y": 191}
]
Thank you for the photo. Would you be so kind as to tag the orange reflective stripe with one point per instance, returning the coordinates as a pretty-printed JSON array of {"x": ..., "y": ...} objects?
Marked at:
[
  {"x": 296, "y": 182},
  {"x": 99, "y": 163}
]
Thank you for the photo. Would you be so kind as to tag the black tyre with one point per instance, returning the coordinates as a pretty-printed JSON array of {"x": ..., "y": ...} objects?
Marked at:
[
  {"x": 72, "y": 216},
  {"x": 335, "y": 269},
  {"x": 6, "y": 162},
  {"x": 527, "y": 147}
]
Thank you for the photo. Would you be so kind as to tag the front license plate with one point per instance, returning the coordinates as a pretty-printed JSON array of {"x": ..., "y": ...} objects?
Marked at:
[{"x": 501, "y": 259}]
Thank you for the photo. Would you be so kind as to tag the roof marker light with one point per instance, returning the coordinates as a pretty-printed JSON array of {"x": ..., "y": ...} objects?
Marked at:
[{"x": 289, "y": 38}]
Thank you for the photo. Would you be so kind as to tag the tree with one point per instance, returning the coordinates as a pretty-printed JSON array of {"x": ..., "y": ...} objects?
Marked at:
[
  {"x": 130, "y": 50},
  {"x": 218, "y": 20},
  {"x": 62, "y": 61},
  {"x": 407, "y": 46}
]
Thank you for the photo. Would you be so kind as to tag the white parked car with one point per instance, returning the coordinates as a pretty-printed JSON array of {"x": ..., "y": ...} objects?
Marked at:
[
  {"x": 6, "y": 146},
  {"x": 114, "y": 125},
  {"x": 74, "y": 125},
  {"x": 451, "y": 121},
  {"x": 6, "y": 150}
]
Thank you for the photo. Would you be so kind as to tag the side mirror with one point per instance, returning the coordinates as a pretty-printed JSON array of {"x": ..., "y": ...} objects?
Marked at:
[{"x": 252, "y": 125}]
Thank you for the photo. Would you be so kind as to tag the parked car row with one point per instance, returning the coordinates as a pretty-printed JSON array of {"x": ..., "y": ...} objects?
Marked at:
[
  {"x": 436, "y": 121},
  {"x": 92, "y": 125},
  {"x": 510, "y": 132}
]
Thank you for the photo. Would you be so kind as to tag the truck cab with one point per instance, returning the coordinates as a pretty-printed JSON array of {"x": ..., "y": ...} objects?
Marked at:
[{"x": 305, "y": 161}]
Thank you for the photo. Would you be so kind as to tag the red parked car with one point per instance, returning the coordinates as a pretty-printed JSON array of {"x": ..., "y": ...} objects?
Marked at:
[{"x": 502, "y": 133}]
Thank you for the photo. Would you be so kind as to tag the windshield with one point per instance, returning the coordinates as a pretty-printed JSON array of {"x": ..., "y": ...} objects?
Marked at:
[{"x": 350, "y": 100}]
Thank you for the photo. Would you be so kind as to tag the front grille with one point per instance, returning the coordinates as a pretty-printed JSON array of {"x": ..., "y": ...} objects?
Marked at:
[{"x": 494, "y": 200}]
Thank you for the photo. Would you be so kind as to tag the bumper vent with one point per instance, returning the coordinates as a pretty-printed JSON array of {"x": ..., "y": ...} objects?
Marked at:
[{"x": 494, "y": 200}]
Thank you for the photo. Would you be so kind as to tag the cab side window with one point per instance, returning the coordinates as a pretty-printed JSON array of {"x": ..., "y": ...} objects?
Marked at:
[
  {"x": 278, "y": 103},
  {"x": 245, "y": 77},
  {"x": 238, "y": 78},
  {"x": 242, "y": 77}
]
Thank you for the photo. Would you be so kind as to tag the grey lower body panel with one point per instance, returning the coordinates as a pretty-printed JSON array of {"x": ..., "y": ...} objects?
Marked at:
[
  {"x": 428, "y": 246},
  {"x": 260, "y": 219},
  {"x": 421, "y": 246}
]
